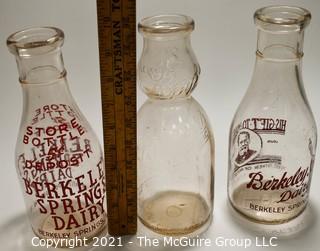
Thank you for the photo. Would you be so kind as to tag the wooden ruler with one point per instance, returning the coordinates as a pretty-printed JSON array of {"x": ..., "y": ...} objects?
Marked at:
[{"x": 117, "y": 49}]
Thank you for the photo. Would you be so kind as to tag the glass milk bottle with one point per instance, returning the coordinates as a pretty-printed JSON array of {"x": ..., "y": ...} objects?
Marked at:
[
  {"x": 58, "y": 156},
  {"x": 175, "y": 142},
  {"x": 273, "y": 135}
]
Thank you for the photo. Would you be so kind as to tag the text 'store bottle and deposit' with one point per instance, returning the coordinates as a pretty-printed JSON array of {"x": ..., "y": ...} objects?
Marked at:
[{"x": 58, "y": 157}]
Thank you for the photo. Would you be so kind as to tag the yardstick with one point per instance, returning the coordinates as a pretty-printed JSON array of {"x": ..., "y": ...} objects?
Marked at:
[{"x": 117, "y": 49}]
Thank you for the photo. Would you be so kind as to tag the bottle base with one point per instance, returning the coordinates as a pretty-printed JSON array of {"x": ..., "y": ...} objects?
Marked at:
[
  {"x": 267, "y": 206},
  {"x": 175, "y": 213},
  {"x": 264, "y": 221},
  {"x": 77, "y": 238},
  {"x": 77, "y": 242}
]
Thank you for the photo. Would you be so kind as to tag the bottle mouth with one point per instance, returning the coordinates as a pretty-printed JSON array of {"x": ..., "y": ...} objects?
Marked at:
[
  {"x": 35, "y": 41},
  {"x": 166, "y": 24},
  {"x": 282, "y": 18}
]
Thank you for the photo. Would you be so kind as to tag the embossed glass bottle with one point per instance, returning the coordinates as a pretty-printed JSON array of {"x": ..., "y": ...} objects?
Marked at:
[
  {"x": 58, "y": 156},
  {"x": 175, "y": 142},
  {"x": 273, "y": 134}
]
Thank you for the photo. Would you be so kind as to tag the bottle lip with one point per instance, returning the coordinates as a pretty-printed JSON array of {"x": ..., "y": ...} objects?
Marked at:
[
  {"x": 35, "y": 41},
  {"x": 282, "y": 18},
  {"x": 166, "y": 24}
]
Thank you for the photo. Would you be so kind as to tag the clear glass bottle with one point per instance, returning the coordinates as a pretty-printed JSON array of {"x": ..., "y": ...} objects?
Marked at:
[
  {"x": 58, "y": 156},
  {"x": 273, "y": 135},
  {"x": 175, "y": 142}
]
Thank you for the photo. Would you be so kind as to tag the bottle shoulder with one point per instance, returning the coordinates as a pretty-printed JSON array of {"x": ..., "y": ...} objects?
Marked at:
[
  {"x": 183, "y": 118},
  {"x": 168, "y": 70},
  {"x": 273, "y": 103},
  {"x": 52, "y": 124},
  {"x": 185, "y": 110}
]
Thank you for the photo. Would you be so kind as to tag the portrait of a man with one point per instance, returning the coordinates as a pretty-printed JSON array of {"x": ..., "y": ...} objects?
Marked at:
[{"x": 244, "y": 151}]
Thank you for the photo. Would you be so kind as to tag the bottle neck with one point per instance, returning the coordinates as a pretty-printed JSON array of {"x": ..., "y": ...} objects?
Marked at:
[
  {"x": 280, "y": 46},
  {"x": 279, "y": 59},
  {"x": 41, "y": 68},
  {"x": 168, "y": 68},
  {"x": 165, "y": 42}
]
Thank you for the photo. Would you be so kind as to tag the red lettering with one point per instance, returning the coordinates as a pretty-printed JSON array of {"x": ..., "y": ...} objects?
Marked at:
[
  {"x": 58, "y": 222},
  {"x": 93, "y": 213},
  {"x": 25, "y": 139},
  {"x": 63, "y": 164},
  {"x": 36, "y": 141},
  {"x": 63, "y": 128},
  {"x": 65, "y": 186},
  {"x": 50, "y": 165},
  {"x": 39, "y": 130},
  {"x": 74, "y": 161},
  {"x": 87, "y": 151},
  {"x": 39, "y": 165},
  {"x": 67, "y": 204},
  {"x": 255, "y": 182},
  {"x": 42, "y": 208},
  {"x": 92, "y": 182},
  {"x": 75, "y": 124},
  {"x": 38, "y": 188},
  {"x": 52, "y": 190},
  {"x": 81, "y": 185},
  {"x": 46, "y": 108},
  {"x": 49, "y": 141},
  {"x": 27, "y": 186},
  {"x": 54, "y": 107},
  {"x": 29, "y": 130},
  {"x": 101, "y": 171},
  {"x": 38, "y": 111},
  {"x": 51, "y": 130},
  {"x": 28, "y": 164},
  {"x": 81, "y": 130},
  {"x": 53, "y": 205},
  {"x": 72, "y": 221}
]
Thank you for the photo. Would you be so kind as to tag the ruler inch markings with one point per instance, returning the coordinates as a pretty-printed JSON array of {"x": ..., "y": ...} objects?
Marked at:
[{"x": 116, "y": 27}]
